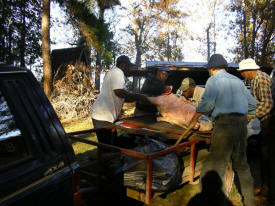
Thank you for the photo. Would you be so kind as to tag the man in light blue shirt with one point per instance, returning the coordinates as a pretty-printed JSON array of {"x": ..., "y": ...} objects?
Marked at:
[
  {"x": 225, "y": 94},
  {"x": 227, "y": 101}
]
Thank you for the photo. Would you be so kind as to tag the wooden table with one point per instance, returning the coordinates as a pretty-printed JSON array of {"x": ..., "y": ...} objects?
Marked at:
[{"x": 148, "y": 125}]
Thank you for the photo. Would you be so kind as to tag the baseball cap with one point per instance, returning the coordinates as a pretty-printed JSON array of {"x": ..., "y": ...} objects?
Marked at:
[
  {"x": 248, "y": 64},
  {"x": 124, "y": 59},
  {"x": 164, "y": 68},
  {"x": 186, "y": 83},
  {"x": 216, "y": 61}
]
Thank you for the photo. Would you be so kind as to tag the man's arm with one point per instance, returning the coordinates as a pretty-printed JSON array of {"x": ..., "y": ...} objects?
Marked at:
[
  {"x": 194, "y": 120},
  {"x": 251, "y": 103},
  {"x": 130, "y": 97},
  {"x": 264, "y": 96}
]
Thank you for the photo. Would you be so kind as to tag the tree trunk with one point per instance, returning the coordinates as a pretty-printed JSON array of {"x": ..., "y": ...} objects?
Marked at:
[
  {"x": 208, "y": 43},
  {"x": 99, "y": 56},
  {"x": 98, "y": 71},
  {"x": 138, "y": 59},
  {"x": 244, "y": 35},
  {"x": 46, "y": 48},
  {"x": 23, "y": 34},
  {"x": 9, "y": 59},
  {"x": 136, "y": 79},
  {"x": 2, "y": 32},
  {"x": 267, "y": 38}
]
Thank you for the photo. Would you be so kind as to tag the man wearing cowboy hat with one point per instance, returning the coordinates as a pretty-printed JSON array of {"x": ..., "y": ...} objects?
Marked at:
[
  {"x": 261, "y": 90},
  {"x": 227, "y": 101}
]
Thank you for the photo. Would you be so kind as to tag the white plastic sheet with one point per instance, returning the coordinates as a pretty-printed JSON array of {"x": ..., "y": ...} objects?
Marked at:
[{"x": 253, "y": 127}]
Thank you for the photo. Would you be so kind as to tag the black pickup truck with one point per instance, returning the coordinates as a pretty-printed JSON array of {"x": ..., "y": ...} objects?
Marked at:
[{"x": 37, "y": 161}]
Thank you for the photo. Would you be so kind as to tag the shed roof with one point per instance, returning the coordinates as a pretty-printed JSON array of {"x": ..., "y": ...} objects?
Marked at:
[
  {"x": 69, "y": 55},
  {"x": 181, "y": 64}
]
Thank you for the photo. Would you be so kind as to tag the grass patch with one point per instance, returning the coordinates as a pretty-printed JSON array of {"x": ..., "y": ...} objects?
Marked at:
[
  {"x": 82, "y": 151},
  {"x": 178, "y": 197},
  {"x": 77, "y": 125}
]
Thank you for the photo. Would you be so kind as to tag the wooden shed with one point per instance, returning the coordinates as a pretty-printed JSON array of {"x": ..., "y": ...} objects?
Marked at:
[{"x": 69, "y": 56}]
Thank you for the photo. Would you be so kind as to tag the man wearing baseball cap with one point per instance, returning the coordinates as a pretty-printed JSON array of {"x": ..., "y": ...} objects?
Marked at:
[
  {"x": 189, "y": 91},
  {"x": 261, "y": 90},
  {"x": 108, "y": 105},
  {"x": 154, "y": 85},
  {"x": 227, "y": 100}
]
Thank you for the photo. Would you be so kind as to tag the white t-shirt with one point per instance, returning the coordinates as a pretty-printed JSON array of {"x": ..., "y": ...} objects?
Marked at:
[{"x": 107, "y": 106}]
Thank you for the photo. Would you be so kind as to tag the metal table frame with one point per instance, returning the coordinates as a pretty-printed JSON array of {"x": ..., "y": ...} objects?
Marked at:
[{"x": 147, "y": 157}]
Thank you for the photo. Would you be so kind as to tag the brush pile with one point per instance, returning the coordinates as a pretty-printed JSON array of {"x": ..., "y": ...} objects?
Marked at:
[{"x": 73, "y": 92}]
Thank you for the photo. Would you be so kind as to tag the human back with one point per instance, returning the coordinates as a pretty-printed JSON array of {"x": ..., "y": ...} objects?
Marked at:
[
  {"x": 108, "y": 105},
  {"x": 227, "y": 101},
  {"x": 227, "y": 92}
]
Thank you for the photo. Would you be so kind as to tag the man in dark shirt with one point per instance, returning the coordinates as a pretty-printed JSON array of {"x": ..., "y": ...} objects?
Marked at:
[{"x": 152, "y": 86}]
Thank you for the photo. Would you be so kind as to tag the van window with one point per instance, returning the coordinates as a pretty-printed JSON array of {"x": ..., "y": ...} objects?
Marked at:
[{"x": 12, "y": 146}]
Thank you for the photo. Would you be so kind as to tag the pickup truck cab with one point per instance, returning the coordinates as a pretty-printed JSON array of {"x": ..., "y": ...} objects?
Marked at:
[{"x": 37, "y": 161}]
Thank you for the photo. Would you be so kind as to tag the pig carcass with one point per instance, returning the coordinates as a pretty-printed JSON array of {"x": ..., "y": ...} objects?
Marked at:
[{"x": 178, "y": 112}]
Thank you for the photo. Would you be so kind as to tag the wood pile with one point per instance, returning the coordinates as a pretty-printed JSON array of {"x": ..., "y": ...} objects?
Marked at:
[{"x": 73, "y": 92}]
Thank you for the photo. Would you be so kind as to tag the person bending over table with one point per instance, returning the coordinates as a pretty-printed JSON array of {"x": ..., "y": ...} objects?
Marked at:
[
  {"x": 108, "y": 105},
  {"x": 152, "y": 86},
  {"x": 190, "y": 91},
  {"x": 227, "y": 100}
]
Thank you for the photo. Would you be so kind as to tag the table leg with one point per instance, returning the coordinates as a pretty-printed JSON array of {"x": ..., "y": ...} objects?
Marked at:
[
  {"x": 192, "y": 163},
  {"x": 148, "y": 191}
]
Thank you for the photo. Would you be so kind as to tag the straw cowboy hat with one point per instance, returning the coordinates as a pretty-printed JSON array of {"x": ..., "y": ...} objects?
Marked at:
[{"x": 248, "y": 64}]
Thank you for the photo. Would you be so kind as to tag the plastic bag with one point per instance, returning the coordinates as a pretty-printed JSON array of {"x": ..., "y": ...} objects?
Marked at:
[
  {"x": 166, "y": 169},
  {"x": 253, "y": 127}
]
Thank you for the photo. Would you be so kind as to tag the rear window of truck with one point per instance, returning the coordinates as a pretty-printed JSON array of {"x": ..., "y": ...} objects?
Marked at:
[{"x": 12, "y": 146}]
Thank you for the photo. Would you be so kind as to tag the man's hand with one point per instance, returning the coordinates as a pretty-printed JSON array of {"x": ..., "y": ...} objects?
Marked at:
[{"x": 194, "y": 120}]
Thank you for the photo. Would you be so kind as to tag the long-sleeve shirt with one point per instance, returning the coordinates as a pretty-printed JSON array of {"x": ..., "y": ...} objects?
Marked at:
[
  {"x": 225, "y": 94},
  {"x": 195, "y": 100},
  {"x": 261, "y": 90},
  {"x": 198, "y": 92},
  {"x": 151, "y": 87}
]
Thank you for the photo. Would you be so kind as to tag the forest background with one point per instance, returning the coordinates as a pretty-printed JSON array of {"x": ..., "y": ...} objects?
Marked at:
[{"x": 156, "y": 30}]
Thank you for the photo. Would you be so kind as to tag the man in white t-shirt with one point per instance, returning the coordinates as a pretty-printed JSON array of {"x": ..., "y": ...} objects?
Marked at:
[{"x": 108, "y": 105}]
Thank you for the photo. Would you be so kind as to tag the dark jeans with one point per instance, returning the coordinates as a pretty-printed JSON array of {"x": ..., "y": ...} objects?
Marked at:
[
  {"x": 106, "y": 136},
  {"x": 228, "y": 141},
  {"x": 267, "y": 152}
]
